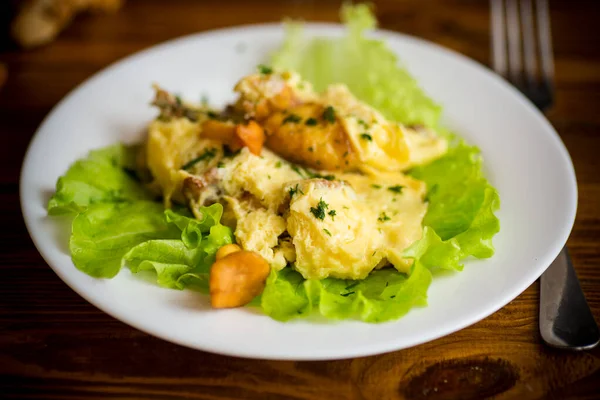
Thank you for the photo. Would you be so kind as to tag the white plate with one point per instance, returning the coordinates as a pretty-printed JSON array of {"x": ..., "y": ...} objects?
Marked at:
[{"x": 524, "y": 159}]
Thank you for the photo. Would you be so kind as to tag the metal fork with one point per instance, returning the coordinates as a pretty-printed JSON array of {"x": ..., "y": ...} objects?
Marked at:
[{"x": 566, "y": 320}]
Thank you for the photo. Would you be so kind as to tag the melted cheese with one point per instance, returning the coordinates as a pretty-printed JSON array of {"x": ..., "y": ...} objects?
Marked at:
[
  {"x": 261, "y": 176},
  {"x": 365, "y": 219},
  {"x": 344, "y": 245},
  {"x": 168, "y": 147},
  {"x": 258, "y": 230}
]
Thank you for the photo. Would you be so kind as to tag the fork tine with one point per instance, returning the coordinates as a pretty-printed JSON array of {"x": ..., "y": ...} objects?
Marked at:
[
  {"x": 529, "y": 48},
  {"x": 498, "y": 38},
  {"x": 514, "y": 42},
  {"x": 544, "y": 37}
]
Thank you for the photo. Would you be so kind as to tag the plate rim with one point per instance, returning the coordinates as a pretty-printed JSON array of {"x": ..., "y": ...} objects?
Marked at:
[{"x": 366, "y": 350}]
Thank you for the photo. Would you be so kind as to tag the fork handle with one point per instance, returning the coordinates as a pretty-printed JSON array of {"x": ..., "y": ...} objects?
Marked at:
[{"x": 566, "y": 320}]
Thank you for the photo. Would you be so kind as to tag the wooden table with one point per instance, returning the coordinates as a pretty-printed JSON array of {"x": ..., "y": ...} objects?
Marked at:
[{"x": 54, "y": 345}]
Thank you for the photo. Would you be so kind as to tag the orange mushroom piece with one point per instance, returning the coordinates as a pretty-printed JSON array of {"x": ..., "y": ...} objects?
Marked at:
[
  {"x": 250, "y": 135},
  {"x": 236, "y": 277}
]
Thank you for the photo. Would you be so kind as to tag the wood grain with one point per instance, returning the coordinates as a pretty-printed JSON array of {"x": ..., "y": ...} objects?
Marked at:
[{"x": 54, "y": 345}]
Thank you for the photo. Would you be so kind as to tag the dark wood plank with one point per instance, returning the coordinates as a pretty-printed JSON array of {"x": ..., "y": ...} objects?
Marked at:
[{"x": 54, "y": 345}]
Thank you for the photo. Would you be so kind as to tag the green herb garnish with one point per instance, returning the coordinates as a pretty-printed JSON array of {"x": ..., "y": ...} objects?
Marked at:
[
  {"x": 329, "y": 114},
  {"x": 319, "y": 210},
  {"x": 375, "y": 186},
  {"x": 383, "y": 217},
  {"x": 327, "y": 231},
  {"x": 293, "y": 118},
  {"x": 304, "y": 173},
  {"x": 278, "y": 164},
  {"x": 311, "y": 122},
  {"x": 207, "y": 155},
  {"x": 366, "y": 136},
  {"x": 265, "y": 70},
  {"x": 332, "y": 213},
  {"x": 396, "y": 189},
  {"x": 297, "y": 170},
  {"x": 295, "y": 190}
]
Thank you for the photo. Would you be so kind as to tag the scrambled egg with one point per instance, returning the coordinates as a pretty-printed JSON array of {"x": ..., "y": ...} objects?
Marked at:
[{"x": 326, "y": 195}]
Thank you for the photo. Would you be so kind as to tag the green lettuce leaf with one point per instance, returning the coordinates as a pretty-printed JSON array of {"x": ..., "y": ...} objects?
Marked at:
[
  {"x": 170, "y": 259},
  {"x": 461, "y": 200},
  {"x": 98, "y": 178},
  {"x": 367, "y": 66},
  {"x": 434, "y": 253},
  {"x": 184, "y": 262},
  {"x": 192, "y": 229},
  {"x": 103, "y": 233},
  {"x": 384, "y": 295}
]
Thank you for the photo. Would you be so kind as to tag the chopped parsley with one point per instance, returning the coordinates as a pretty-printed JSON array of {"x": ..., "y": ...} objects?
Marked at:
[
  {"x": 212, "y": 115},
  {"x": 363, "y": 123},
  {"x": 329, "y": 114},
  {"x": 278, "y": 164},
  {"x": 207, "y": 155},
  {"x": 317, "y": 175},
  {"x": 311, "y": 149},
  {"x": 332, "y": 213},
  {"x": 295, "y": 190},
  {"x": 396, "y": 189},
  {"x": 375, "y": 186},
  {"x": 319, "y": 210},
  {"x": 383, "y": 217},
  {"x": 306, "y": 174},
  {"x": 327, "y": 231},
  {"x": 220, "y": 165},
  {"x": 327, "y": 177},
  {"x": 293, "y": 118},
  {"x": 366, "y": 136},
  {"x": 297, "y": 170},
  {"x": 265, "y": 70},
  {"x": 311, "y": 122}
]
